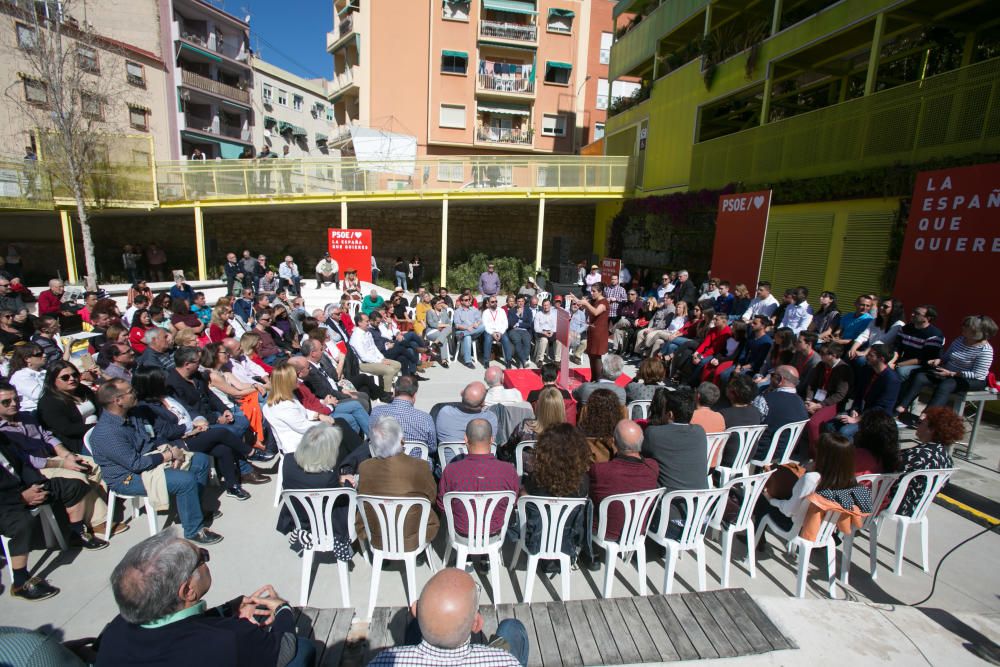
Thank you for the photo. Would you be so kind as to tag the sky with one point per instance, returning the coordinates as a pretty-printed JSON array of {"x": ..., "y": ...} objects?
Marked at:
[{"x": 288, "y": 33}]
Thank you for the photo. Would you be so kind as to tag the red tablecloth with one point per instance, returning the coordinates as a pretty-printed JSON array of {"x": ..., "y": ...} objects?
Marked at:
[{"x": 526, "y": 379}]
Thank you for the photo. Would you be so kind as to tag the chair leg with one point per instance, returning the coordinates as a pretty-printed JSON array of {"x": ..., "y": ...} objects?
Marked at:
[
  {"x": 51, "y": 528},
  {"x": 529, "y": 577},
  {"x": 277, "y": 484},
  {"x": 150, "y": 516},
  {"x": 699, "y": 553},
  {"x": 495, "y": 565},
  {"x": 565, "y": 571},
  {"x": 6, "y": 554},
  {"x": 847, "y": 550},
  {"x": 761, "y": 529},
  {"x": 901, "y": 528},
  {"x": 345, "y": 584},
  {"x": 669, "y": 565},
  {"x": 460, "y": 556},
  {"x": 804, "y": 553},
  {"x": 447, "y": 554},
  {"x": 727, "y": 555},
  {"x": 640, "y": 567},
  {"x": 411, "y": 577},
  {"x": 373, "y": 587},
  {"x": 873, "y": 550},
  {"x": 517, "y": 553},
  {"x": 924, "y": 545},
  {"x": 611, "y": 553},
  {"x": 112, "y": 497},
  {"x": 751, "y": 553},
  {"x": 831, "y": 568},
  {"x": 307, "y": 562}
]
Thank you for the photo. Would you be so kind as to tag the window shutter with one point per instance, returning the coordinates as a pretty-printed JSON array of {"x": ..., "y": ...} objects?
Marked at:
[
  {"x": 866, "y": 247},
  {"x": 795, "y": 252}
]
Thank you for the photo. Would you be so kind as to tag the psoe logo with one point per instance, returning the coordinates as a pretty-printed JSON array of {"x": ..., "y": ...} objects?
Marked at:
[{"x": 741, "y": 204}]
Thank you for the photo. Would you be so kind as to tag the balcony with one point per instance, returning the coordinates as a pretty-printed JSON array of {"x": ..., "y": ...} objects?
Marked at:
[
  {"x": 941, "y": 116},
  {"x": 638, "y": 45},
  {"x": 212, "y": 125},
  {"x": 517, "y": 86},
  {"x": 508, "y": 136},
  {"x": 230, "y": 45},
  {"x": 339, "y": 134},
  {"x": 345, "y": 81},
  {"x": 510, "y": 31},
  {"x": 345, "y": 29},
  {"x": 346, "y": 25},
  {"x": 205, "y": 84}
]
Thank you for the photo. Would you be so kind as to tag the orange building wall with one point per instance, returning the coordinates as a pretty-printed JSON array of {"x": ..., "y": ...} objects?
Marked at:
[{"x": 397, "y": 84}]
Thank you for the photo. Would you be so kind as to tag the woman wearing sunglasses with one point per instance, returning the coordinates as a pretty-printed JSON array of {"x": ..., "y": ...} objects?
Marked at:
[
  {"x": 67, "y": 407},
  {"x": 27, "y": 374}
]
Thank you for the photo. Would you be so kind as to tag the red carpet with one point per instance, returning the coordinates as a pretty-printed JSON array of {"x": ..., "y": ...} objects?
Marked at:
[{"x": 526, "y": 379}]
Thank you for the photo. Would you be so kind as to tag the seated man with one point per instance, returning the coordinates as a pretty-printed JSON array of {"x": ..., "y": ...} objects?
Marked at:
[
  {"x": 479, "y": 471},
  {"x": 370, "y": 359},
  {"x": 372, "y": 302},
  {"x": 678, "y": 446},
  {"x": 396, "y": 350},
  {"x": 520, "y": 331},
  {"x": 311, "y": 373},
  {"x": 159, "y": 352},
  {"x": 417, "y": 424},
  {"x": 494, "y": 328},
  {"x": 578, "y": 327},
  {"x": 496, "y": 393},
  {"x": 163, "y": 619},
  {"x": 467, "y": 324},
  {"x": 780, "y": 406},
  {"x": 611, "y": 370},
  {"x": 243, "y": 306},
  {"x": 327, "y": 271},
  {"x": 269, "y": 351},
  {"x": 393, "y": 473},
  {"x": 545, "y": 333},
  {"x": 452, "y": 419},
  {"x": 445, "y": 617},
  {"x": 186, "y": 384},
  {"x": 877, "y": 388},
  {"x": 22, "y": 489},
  {"x": 130, "y": 458},
  {"x": 288, "y": 275},
  {"x": 705, "y": 416},
  {"x": 627, "y": 472},
  {"x": 550, "y": 373}
]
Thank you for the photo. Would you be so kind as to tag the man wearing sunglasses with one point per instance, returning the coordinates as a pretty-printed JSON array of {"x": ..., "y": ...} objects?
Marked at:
[{"x": 160, "y": 587}]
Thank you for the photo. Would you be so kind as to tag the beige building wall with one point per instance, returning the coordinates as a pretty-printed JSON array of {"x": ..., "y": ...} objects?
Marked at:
[{"x": 315, "y": 114}]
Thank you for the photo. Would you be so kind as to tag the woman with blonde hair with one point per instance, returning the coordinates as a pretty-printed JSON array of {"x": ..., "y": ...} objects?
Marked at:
[
  {"x": 220, "y": 325},
  {"x": 239, "y": 396},
  {"x": 186, "y": 338},
  {"x": 550, "y": 409},
  {"x": 249, "y": 343},
  {"x": 289, "y": 420}
]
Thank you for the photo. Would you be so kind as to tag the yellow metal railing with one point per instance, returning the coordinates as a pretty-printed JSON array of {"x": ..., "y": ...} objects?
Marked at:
[
  {"x": 24, "y": 185},
  {"x": 298, "y": 179},
  {"x": 639, "y": 44},
  {"x": 951, "y": 114}
]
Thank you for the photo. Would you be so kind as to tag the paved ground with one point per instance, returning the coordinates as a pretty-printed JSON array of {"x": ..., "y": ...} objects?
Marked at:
[{"x": 965, "y": 599}]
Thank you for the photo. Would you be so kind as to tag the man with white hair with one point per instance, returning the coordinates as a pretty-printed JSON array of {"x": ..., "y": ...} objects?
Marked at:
[
  {"x": 391, "y": 472},
  {"x": 611, "y": 369},
  {"x": 685, "y": 290},
  {"x": 496, "y": 393},
  {"x": 158, "y": 352},
  {"x": 50, "y": 300},
  {"x": 288, "y": 274}
]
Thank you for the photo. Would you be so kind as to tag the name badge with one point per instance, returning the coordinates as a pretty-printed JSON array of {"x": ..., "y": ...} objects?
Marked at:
[{"x": 820, "y": 395}]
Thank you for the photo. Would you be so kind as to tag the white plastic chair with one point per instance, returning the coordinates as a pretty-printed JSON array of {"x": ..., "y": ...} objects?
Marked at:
[
  {"x": 522, "y": 446},
  {"x": 752, "y": 488},
  {"x": 934, "y": 480},
  {"x": 353, "y": 306},
  {"x": 318, "y": 505},
  {"x": 555, "y": 513},
  {"x": 136, "y": 502},
  {"x": 793, "y": 430},
  {"x": 449, "y": 450},
  {"x": 881, "y": 486},
  {"x": 804, "y": 547},
  {"x": 479, "y": 511},
  {"x": 747, "y": 436},
  {"x": 417, "y": 449},
  {"x": 278, "y": 477},
  {"x": 391, "y": 513},
  {"x": 458, "y": 347},
  {"x": 87, "y": 449},
  {"x": 50, "y": 527},
  {"x": 699, "y": 506},
  {"x": 638, "y": 508},
  {"x": 716, "y": 444},
  {"x": 641, "y": 406}
]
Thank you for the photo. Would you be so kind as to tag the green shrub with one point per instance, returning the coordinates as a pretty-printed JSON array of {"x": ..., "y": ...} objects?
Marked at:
[{"x": 513, "y": 272}]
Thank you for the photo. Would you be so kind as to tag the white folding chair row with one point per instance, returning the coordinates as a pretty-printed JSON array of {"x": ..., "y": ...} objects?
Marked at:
[
  {"x": 554, "y": 514},
  {"x": 881, "y": 486},
  {"x": 479, "y": 508},
  {"x": 136, "y": 502},
  {"x": 637, "y": 508},
  {"x": 417, "y": 449},
  {"x": 747, "y": 437},
  {"x": 448, "y": 450},
  {"x": 50, "y": 527},
  {"x": 638, "y": 409},
  {"x": 792, "y": 430},
  {"x": 519, "y": 451},
  {"x": 317, "y": 506}
]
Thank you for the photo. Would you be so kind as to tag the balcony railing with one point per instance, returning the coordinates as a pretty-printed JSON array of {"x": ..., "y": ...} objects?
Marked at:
[
  {"x": 506, "y": 83},
  {"x": 499, "y": 135},
  {"x": 214, "y": 126},
  {"x": 346, "y": 26},
  {"x": 503, "y": 30},
  {"x": 208, "y": 85},
  {"x": 472, "y": 176},
  {"x": 941, "y": 116},
  {"x": 24, "y": 185},
  {"x": 346, "y": 78},
  {"x": 639, "y": 44},
  {"x": 230, "y": 45}
]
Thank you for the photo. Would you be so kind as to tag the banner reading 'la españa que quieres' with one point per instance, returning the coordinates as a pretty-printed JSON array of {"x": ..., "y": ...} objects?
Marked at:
[{"x": 352, "y": 248}]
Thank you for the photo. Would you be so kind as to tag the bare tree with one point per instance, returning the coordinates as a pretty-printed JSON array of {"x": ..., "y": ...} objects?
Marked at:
[{"x": 65, "y": 96}]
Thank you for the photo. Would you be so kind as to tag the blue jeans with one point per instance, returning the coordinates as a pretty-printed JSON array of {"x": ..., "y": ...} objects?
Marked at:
[
  {"x": 305, "y": 653},
  {"x": 668, "y": 348},
  {"x": 400, "y": 279},
  {"x": 354, "y": 414},
  {"x": 488, "y": 348},
  {"x": 184, "y": 485},
  {"x": 520, "y": 339},
  {"x": 465, "y": 339}
]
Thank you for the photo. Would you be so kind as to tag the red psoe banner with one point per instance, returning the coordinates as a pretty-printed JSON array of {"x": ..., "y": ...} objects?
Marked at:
[
  {"x": 352, "y": 248},
  {"x": 951, "y": 245},
  {"x": 740, "y": 229},
  {"x": 610, "y": 267}
]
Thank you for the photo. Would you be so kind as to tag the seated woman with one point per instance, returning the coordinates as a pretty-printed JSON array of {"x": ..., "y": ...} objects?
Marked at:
[
  {"x": 288, "y": 419},
  {"x": 715, "y": 370},
  {"x": 314, "y": 465},
  {"x": 830, "y": 475},
  {"x": 938, "y": 430},
  {"x": 352, "y": 285},
  {"x": 876, "y": 444},
  {"x": 220, "y": 326},
  {"x": 647, "y": 380},
  {"x": 67, "y": 407},
  {"x": 250, "y": 344},
  {"x": 597, "y": 421},
  {"x": 240, "y": 397},
  {"x": 561, "y": 462},
  {"x": 550, "y": 409},
  {"x": 141, "y": 323},
  {"x": 689, "y": 367},
  {"x": 183, "y": 318},
  {"x": 691, "y": 336}
]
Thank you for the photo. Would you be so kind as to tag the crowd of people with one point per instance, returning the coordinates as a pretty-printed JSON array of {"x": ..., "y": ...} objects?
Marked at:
[{"x": 155, "y": 398}]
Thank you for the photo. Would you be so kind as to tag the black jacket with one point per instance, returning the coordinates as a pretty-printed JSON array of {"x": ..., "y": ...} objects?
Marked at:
[
  {"x": 64, "y": 420},
  {"x": 11, "y": 485},
  {"x": 324, "y": 385},
  {"x": 687, "y": 292},
  {"x": 195, "y": 396}
]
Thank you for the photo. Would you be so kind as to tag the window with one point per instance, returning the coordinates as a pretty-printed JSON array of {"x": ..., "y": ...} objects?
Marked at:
[
  {"x": 560, "y": 20},
  {"x": 556, "y": 72},
  {"x": 138, "y": 117},
  {"x": 598, "y": 131},
  {"x": 91, "y": 107},
  {"x": 602, "y": 93},
  {"x": 452, "y": 172},
  {"x": 329, "y": 114},
  {"x": 282, "y": 97},
  {"x": 624, "y": 89},
  {"x": 86, "y": 58},
  {"x": 135, "y": 74},
  {"x": 26, "y": 37},
  {"x": 455, "y": 10},
  {"x": 454, "y": 62},
  {"x": 266, "y": 93},
  {"x": 297, "y": 102},
  {"x": 36, "y": 92},
  {"x": 606, "y": 39},
  {"x": 553, "y": 125},
  {"x": 452, "y": 115}
]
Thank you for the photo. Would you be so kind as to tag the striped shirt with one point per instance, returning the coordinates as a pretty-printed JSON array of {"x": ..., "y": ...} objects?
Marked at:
[
  {"x": 921, "y": 344},
  {"x": 971, "y": 361},
  {"x": 417, "y": 424}
]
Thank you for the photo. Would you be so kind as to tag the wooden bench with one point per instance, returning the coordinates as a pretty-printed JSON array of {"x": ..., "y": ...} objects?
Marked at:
[{"x": 656, "y": 628}]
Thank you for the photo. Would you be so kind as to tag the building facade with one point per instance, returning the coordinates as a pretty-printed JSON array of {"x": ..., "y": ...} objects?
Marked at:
[
  {"x": 293, "y": 112},
  {"x": 476, "y": 77}
]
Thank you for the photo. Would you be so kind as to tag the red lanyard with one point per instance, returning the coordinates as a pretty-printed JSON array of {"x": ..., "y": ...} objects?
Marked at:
[
  {"x": 805, "y": 363},
  {"x": 826, "y": 377}
]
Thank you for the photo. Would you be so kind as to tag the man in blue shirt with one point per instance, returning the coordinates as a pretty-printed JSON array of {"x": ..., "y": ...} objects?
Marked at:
[
  {"x": 489, "y": 281},
  {"x": 467, "y": 324},
  {"x": 852, "y": 324}
]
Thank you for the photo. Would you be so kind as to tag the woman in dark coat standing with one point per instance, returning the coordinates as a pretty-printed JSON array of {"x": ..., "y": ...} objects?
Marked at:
[{"x": 597, "y": 328}]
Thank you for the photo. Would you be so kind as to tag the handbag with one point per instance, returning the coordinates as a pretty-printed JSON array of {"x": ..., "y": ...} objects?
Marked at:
[{"x": 779, "y": 485}]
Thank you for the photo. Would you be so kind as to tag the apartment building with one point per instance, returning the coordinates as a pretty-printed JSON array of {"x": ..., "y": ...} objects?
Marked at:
[
  {"x": 293, "y": 112},
  {"x": 211, "y": 77},
  {"x": 464, "y": 76},
  {"x": 598, "y": 91},
  {"x": 107, "y": 47}
]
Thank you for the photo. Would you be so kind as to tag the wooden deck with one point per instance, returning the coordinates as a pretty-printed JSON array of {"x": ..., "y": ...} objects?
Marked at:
[{"x": 657, "y": 628}]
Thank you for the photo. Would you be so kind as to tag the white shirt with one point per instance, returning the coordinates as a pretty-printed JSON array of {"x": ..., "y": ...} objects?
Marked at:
[
  {"x": 245, "y": 370},
  {"x": 389, "y": 330},
  {"x": 323, "y": 268},
  {"x": 802, "y": 490},
  {"x": 797, "y": 317},
  {"x": 760, "y": 306},
  {"x": 179, "y": 411},
  {"x": 592, "y": 279},
  {"x": 287, "y": 271},
  {"x": 289, "y": 421},
  {"x": 29, "y": 387},
  {"x": 364, "y": 346},
  {"x": 874, "y": 335},
  {"x": 495, "y": 321},
  {"x": 501, "y": 394},
  {"x": 545, "y": 321},
  {"x": 129, "y": 314}
]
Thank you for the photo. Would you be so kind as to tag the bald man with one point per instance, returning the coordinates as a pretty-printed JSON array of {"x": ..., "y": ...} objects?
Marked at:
[
  {"x": 446, "y": 616},
  {"x": 453, "y": 418},
  {"x": 496, "y": 393},
  {"x": 780, "y": 406},
  {"x": 627, "y": 472}
]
